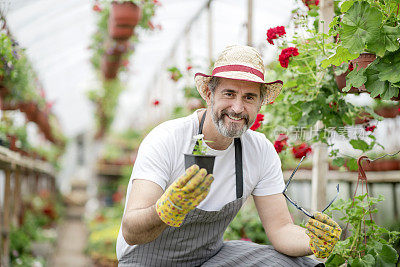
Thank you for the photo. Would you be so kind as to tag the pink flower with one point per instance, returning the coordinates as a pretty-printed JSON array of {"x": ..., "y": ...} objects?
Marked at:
[
  {"x": 96, "y": 7},
  {"x": 286, "y": 54},
  {"x": 274, "y": 33}
]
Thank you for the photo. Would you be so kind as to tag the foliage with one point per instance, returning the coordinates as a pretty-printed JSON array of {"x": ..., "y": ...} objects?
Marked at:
[
  {"x": 106, "y": 96},
  {"x": 366, "y": 245},
  {"x": 310, "y": 93},
  {"x": 200, "y": 148},
  {"x": 247, "y": 226},
  {"x": 369, "y": 26},
  {"x": 103, "y": 232}
]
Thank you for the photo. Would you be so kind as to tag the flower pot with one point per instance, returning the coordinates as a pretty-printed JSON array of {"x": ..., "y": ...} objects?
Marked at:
[
  {"x": 203, "y": 161},
  {"x": 109, "y": 66},
  {"x": 388, "y": 112},
  {"x": 30, "y": 109},
  {"x": 125, "y": 13},
  {"x": 361, "y": 63},
  {"x": 12, "y": 140},
  {"x": 119, "y": 32},
  {"x": 123, "y": 19}
]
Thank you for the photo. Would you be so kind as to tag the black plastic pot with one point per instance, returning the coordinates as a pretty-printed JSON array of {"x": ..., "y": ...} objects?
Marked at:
[{"x": 206, "y": 162}]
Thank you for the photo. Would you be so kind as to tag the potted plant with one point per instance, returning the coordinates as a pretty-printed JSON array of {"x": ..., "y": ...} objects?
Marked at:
[
  {"x": 199, "y": 156},
  {"x": 368, "y": 244},
  {"x": 366, "y": 30}
]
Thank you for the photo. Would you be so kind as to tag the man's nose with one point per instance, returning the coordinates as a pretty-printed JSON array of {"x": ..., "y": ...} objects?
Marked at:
[{"x": 238, "y": 106}]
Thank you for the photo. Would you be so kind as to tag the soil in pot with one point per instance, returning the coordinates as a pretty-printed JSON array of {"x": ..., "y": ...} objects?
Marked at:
[{"x": 203, "y": 161}]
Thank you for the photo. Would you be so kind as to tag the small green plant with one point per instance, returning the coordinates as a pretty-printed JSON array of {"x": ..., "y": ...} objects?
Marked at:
[
  {"x": 366, "y": 246},
  {"x": 200, "y": 148}
]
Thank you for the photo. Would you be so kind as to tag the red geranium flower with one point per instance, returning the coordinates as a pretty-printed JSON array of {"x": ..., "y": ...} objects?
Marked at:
[
  {"x": 156, "y": 102},
  {"x": 370, "y": 128},
  {"x": 301, "y": 150},
  {"x": 189, "y": 67},
  {"x": 274, "y": 33},
  {"x": 351, "y": 67},
  {"x": 96, "y": 7},
  {"x": 309, "y": 3},
  {"x": 286, "y": 54},
  {"x": 280, "y": 143},
  {"x": 257, "y": 122}
]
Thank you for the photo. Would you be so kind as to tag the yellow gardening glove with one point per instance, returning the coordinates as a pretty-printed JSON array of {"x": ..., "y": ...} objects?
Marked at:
[
  {"x": 183, "y": 195},
  {"x": 324, "y": 233}
]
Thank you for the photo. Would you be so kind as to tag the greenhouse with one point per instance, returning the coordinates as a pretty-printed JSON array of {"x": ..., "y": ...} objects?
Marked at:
[{"x": 199, "y": 133}]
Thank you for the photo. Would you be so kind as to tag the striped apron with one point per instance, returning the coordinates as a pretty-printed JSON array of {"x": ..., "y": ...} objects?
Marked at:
[{"x": 199, "y": 240}]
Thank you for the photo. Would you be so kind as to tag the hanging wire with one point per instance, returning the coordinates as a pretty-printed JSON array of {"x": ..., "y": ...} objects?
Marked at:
[{"x": 392, "y": 155}]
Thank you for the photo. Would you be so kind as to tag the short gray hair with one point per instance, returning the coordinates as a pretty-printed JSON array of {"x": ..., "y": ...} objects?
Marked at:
[{"x": 215, "y": 81}]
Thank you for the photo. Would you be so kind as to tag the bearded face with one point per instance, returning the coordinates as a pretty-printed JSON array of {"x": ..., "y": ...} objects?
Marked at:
[{"x": 234, "y": 106}]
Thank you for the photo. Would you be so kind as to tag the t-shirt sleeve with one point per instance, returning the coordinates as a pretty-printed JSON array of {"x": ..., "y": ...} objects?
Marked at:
[
  {"x": 153, "y": 161},
  {"x": 271, "y": 180}
]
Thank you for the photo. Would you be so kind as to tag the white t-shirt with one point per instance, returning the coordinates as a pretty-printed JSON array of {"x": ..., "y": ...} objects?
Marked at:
[{"x": 161, "y": 159}]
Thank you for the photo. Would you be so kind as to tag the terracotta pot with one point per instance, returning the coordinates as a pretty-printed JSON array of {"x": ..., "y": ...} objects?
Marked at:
[
  {"x": 123, "y": 19},
  {"x": 30, "y": 109},
  {"x": 12, "y": 139},
  {"x": 7, "y": 105},
  {"x": 388, "y": 112},
  {"x": 119, "y": 32},
  {"x": 109, "y": 66},
  {"x": 360, "y": 63},
  {"x": 125, "y": 14}
]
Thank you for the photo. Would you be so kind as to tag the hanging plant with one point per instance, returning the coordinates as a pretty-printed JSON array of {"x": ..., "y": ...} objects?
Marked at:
[{"x": 372, "y": 27}]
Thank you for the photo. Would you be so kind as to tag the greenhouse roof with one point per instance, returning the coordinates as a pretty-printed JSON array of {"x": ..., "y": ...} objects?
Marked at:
[{"x": 57, "y": 34}]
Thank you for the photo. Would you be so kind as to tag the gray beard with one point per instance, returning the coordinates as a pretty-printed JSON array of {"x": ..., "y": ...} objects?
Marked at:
[{"x": 228, "y": 131}]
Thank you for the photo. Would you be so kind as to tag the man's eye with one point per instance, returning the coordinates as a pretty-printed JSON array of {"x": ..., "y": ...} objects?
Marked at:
[
  {"x": 228, "y": 94},
  {"x": 249, "y": 98}
]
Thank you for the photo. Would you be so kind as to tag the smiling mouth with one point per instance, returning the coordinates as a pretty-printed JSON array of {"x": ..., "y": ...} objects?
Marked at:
[{"x": 234, "y": 118}]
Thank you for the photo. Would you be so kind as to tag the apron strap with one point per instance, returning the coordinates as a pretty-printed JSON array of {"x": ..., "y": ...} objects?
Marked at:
[
  {"x": 238, "y": 168},
  {"x": 238, "y": 160}
]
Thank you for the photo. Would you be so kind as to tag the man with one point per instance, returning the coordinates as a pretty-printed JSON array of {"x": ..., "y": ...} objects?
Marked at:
[{"x": 175, "y": 217}]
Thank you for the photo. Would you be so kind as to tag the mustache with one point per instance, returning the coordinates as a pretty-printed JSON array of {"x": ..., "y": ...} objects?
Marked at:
[{"x": 233, "y": 114}]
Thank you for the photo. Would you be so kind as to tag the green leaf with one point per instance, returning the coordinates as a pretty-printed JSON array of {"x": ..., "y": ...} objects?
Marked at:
[
  {"x": 388, "y": 254},
  {"x": 346, "y": 5},
  {"x": 390, "y": 92},
  {"x": 373, "y": 84},
  {"x": 338, "y": 161},
  {"x": 352, "y": 164},
  {"x": 355, "y": 78},
  {"x": 360, "y": 23},
  {"x": 334, "y": 260},
  {"x": 385, "y": 40},
  {"x": 389, "y": 67},
  {"x": 359, "y": 144},
  {"x": 342, "y": 55}
]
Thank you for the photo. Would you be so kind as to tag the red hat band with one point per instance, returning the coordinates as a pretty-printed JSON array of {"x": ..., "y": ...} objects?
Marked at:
[{"x": 241, "y": 68}]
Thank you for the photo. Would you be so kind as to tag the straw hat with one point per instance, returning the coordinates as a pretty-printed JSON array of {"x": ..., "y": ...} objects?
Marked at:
[{"x": 242, "y": 63}]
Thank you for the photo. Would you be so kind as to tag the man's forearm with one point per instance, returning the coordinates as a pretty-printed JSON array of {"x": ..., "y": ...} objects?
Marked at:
[
  {"x": 141, "y": 226},
  {"x": 291, "y": 240}
]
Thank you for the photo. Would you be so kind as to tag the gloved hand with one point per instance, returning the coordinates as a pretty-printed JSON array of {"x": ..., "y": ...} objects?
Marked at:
[
  {"x": 324, "y": 233},
  {"x": 183, "y": 195}
]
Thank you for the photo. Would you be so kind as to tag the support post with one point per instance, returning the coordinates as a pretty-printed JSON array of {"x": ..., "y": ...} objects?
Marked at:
[
  {"x": 6, "y": 220},
  {"x": 210, "y": 33},
  {"x": 249, "y": 22},
  {"x": 17, "y": 197}
]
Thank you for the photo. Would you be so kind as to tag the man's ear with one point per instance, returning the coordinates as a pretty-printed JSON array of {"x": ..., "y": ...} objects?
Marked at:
[{"x": 208, "y": 95}]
